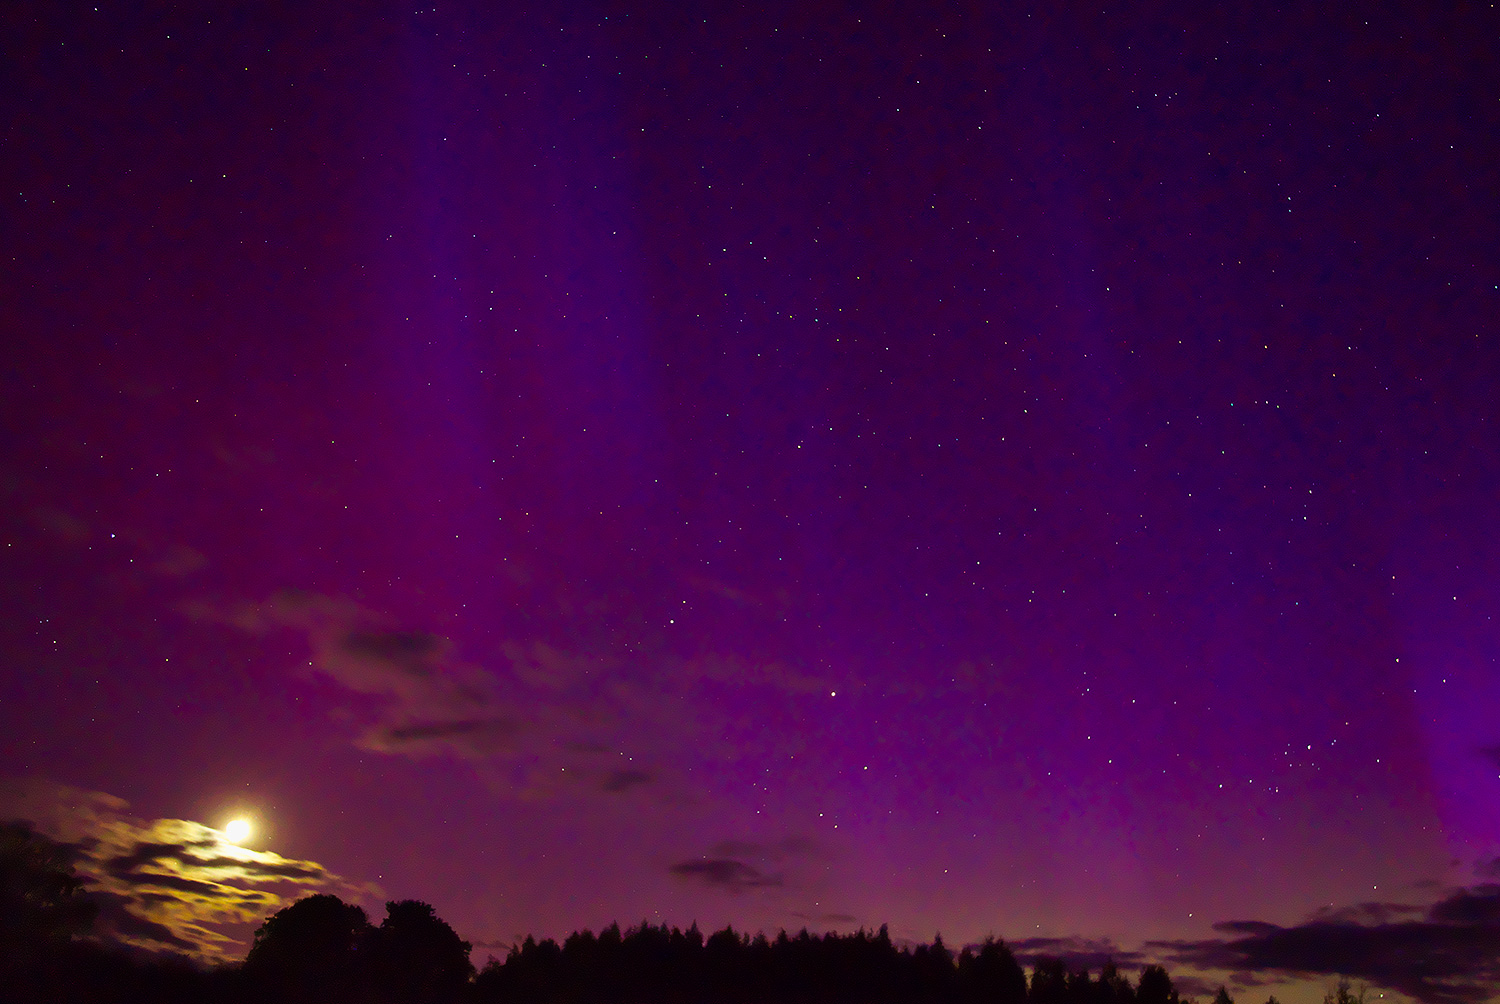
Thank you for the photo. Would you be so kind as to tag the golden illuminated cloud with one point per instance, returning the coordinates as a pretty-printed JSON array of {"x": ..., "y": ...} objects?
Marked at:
[{"x": 168, "y": 884}]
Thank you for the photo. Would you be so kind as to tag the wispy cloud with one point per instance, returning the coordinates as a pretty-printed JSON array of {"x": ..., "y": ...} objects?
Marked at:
[
  {"x": 738, "y": 865},
  {"x": 826, "y": 918},
  {"x": 1078, "y": 953},
  {"x": 540, "y": 720},
  {"x": 725, "y": 873},
  {"x": 624, "y": 780},
  {"x": 167, "y": 885},
  {"x": 543, "y": 720}
]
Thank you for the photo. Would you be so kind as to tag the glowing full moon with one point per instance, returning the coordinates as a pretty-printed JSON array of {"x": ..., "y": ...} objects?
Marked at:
[{"x": 237, "y": 830}]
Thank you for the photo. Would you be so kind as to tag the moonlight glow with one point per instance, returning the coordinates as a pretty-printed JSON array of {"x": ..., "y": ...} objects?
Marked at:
[{"x": 237, "y": 831}]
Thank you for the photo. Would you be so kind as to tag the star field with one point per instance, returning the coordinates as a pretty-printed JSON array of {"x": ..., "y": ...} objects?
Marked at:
[{"x": 1013, "y": 471}]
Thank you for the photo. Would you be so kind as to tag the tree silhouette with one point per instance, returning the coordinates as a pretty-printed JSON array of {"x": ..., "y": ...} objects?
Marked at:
[
  {"x": 1342, "y": 994},
  {"x": 934, "y": 971},
  {"x": 41, "y": 899},
  {"x": 991, "y": 975},
  {"x": 1049, "y": 981},
  {"x": 1155, "y": 987},
  {"x": 325, "y": 950},
  {"x": 1113, "y": 988},
  {"x": 42, "y": 909},
  {"x": 311, "y": 950},
  {"x": 417, "y": 957},
  {"x": 1082, "y": 989}
]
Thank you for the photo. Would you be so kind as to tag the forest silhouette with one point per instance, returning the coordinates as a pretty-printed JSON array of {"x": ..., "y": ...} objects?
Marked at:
[{"x": 325, "y": 950}]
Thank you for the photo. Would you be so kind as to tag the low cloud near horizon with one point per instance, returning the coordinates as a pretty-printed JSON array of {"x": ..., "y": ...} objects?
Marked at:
[
  {"x": 1444, "y": 953},
  {"x": 1078, "y": 953},
  {"x": 178, "y": 886},
  {"x": 167, "y": 885}
]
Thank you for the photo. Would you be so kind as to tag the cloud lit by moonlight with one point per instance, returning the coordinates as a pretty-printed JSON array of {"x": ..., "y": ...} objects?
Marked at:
[{"x": 169, "y": 885}]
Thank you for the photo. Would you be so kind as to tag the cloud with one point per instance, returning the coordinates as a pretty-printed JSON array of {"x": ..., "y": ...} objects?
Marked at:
[
  {"x": 541, "y": 721},
  {"x": 725, "y": 873},
  {"x": 545, "y": 719},
  {"x": 1078, "y": 953},
  {"x": 365, "y": 653},
  {"x": 551, "y": 670},
  {"x": 64, "y": 524},
  {"x": 415, "y": 652},
  {"x": 1192, "y": 986},
  {"x": 180, "y": 561},
  {"x": 173, "y": 560},
  {"x": 737, "y": 865},
  {"x": 476, "y": 736},
  {"x": 624, "y": 780},
  {"x": 826, "y": 918},
  {"x": 1367, "y": 913},
  {"x": 167, "y": 885},
  {"x": 116, "y": 918},
  {"x": 1447, "y": 953},
  {"x": 148, "y": 852},
  {"x": 263, "y": 869}
]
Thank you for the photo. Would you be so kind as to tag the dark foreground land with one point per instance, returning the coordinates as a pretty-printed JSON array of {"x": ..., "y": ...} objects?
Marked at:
[{"x": 321, "y": 949}]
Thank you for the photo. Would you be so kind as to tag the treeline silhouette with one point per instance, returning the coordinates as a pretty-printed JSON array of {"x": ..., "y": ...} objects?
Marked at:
[
  {"x": 661, "y": 964},
  {"x": 321, "y": 949}
]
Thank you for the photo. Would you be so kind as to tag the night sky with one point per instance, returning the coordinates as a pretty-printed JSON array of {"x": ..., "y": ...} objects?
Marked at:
[{"x": 1001, "y": 470}]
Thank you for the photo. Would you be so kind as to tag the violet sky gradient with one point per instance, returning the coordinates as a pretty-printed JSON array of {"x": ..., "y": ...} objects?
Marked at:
[{"x": 989, "y": 469}]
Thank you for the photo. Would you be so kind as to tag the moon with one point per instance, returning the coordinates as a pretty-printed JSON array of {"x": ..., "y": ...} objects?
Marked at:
[{"x": 237, "y": 830}]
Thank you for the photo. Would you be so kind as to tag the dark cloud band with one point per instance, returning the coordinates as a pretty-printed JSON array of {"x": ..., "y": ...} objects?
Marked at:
[
  {"x": 1449, "y": 955},
  {"x": 725, "y": 873}
]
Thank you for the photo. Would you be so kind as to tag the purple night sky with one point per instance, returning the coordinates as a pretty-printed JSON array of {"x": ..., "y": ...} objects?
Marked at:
[{"x": 988, "y": 471}]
